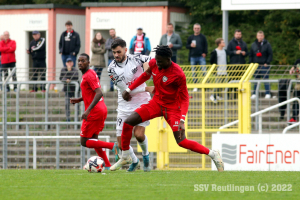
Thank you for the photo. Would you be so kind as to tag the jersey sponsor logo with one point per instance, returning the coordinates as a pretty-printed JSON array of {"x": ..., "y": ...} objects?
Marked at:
[
  {"x": 134, "y": 70},
  {"x": 165, "y": 79},
  {"x": 176, "y": 122}
]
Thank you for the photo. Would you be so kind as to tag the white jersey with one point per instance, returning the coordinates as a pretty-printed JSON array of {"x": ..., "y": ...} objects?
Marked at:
[{"x": 123, "y": 75}]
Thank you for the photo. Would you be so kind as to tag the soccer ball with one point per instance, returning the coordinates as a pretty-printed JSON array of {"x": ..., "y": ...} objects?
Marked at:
[{"x": 95, "y": 164}]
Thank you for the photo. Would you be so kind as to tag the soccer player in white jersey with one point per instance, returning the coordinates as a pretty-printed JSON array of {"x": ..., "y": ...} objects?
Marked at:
[{"x": 123, "y": 71}]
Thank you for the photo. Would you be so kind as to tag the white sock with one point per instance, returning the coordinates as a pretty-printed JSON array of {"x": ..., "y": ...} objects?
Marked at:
[
  {"x": 125, "y": 153},
  {"x": 132, "y": 155},
  {"x": 211, "y": 154},
  {"x": 144, "y": 146}
]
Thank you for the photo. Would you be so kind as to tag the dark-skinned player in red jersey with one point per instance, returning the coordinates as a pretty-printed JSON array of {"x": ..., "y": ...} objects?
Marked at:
[
  {"x": 171, "y": 100},
  {"x": 95, "y": 110}
]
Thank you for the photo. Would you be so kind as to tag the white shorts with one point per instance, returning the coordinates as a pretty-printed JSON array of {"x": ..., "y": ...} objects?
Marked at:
[{"x": 120, "y": 122}]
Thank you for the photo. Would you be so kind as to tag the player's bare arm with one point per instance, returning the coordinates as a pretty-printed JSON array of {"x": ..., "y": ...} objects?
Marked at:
[
  {"x": 96, "y": 99},
  {"x": 144, "y": 77},
  {"x": 76, "y": 100}
]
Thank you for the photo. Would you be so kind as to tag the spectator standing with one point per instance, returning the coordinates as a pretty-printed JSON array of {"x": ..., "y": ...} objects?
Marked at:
[
  {"x": 237, "y": 49},
  {"x": 69, "y": 44},
  {"x": 296, "y": 71},
  {"x": 219, "y": 57},
  {"x": 1, "y": 38},
  {"x": 98, "y": 51},
  {"x": 140, "y": 44},
  {"x": 173, "y": 40},
  {"x": 8, "y": 57},
  {"x": 261, "y": 53},
  {"x": 68, "y": 74},
  {"x": 37, "y": 49},
  {"x": 197, "y": 44},
  {"x": 109, "y": 41}
]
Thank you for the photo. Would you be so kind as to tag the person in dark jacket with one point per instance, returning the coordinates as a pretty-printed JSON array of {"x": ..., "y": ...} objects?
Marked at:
[
  {"x": 109, "y": 41},
  {"x": 237, "y": 49},
  {"x": 197, "y": 44},
  {"x": 69, "y": 44},
  {"x": 261, "y": 53},
  {"x": 295, "y": 70},
  {"x": 219, "y": 57},
  {"x": 37, "y": 49},
  {"x": 68, "y": 74}
]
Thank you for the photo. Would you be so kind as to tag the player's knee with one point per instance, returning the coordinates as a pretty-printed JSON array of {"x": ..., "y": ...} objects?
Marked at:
[{"x": 140, "y": 136}]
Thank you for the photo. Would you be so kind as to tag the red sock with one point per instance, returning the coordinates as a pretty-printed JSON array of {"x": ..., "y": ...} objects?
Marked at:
[
  {"x": 126, "y": 136},
  {"x": 94, "y": 143},
  {"x": 193, "y": 146},
  {"x": 101, "y": 153}
]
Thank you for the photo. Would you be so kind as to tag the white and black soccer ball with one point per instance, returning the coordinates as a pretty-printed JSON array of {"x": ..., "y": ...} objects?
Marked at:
[{"x": 95, "y": 164}]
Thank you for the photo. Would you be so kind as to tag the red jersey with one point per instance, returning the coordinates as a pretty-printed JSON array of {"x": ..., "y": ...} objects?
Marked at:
[
  {"x": 89, "y": 83},
  {"x": 170, "y": 87}
]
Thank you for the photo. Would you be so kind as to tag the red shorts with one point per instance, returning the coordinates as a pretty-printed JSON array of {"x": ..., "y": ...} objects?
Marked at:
[
  {"x": 89, "y": 128},
  {"x": 153, "y": 110}
]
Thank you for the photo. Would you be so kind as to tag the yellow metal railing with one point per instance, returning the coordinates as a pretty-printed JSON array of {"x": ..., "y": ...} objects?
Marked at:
[{"x": 218, "y": 95}]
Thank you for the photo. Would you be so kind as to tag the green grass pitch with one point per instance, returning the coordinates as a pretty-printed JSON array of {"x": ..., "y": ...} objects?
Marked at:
[{"x": 79, "y": 184}]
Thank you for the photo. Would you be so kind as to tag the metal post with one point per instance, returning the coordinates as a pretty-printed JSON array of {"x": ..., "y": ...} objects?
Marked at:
[
  {"x": 27, "y": 148},
  {"x": 288, "y": 97},
  {"x": 77, "y": 105},
  {"x": 256, "y": 104},
  {"x": 260, "y": 124},
  {"x": 151, "y": 160},
  {"x": 17, "y": 105},
  {"x": 4, "y": 118},
  {"x": 88, "y": 153},
  {"x": 57, "y": 146},
  {"x": 225, "y": 21},
  {"x": 82, "y": 157},
  {"x": 46, "y": 105},
  {"x": 107, "y": 150},
  {"x": 34, "y": 153}
]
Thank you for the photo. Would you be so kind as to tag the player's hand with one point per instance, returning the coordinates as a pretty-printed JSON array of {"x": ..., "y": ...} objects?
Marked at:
[
  {"x": 170, "y": 45},
  {"x": 181, "y": 129},
  {"x": 75, "y": 100},
  {"x": 266, "y": 65},
  {"x": 238, "y": 52},
  {"x": 85, "y": 114},
  {"x": 193, "y": 45},
  {"x": 68, "y": 80},
  {"x": 126, "y": 96},
  {"x": 292, "y": 70},
  {"x": 149, "y": 89}
]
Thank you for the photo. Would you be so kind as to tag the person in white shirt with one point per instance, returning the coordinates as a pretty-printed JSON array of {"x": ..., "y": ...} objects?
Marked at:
[
  {"x": 219, "y": 57},
  {"x": 123, "y": 71}
]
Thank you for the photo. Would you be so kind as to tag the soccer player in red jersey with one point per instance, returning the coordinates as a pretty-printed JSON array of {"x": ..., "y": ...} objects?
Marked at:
[
  {"x": 95, "y": 110},
  {"x": 171, "y": 100}
]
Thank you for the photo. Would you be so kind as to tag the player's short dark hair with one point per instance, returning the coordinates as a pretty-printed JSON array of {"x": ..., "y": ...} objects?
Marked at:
[
  {"x": 69, "y": 23},
  {"x": 163, "y": 50},
  {"x": 87, "y": 56},
  {"x": 237, "y": 30},
  {"x": 118, "y": 42},
  {"x": 218, "y": 41}
]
